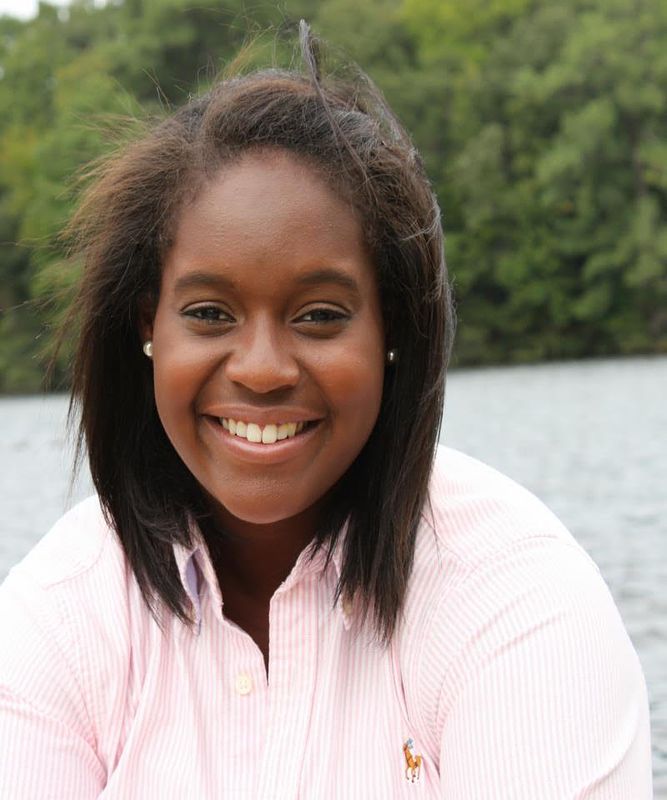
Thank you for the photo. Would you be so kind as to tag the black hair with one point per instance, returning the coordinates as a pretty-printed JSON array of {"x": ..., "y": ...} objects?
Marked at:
[{"x": 121, "y": 231}]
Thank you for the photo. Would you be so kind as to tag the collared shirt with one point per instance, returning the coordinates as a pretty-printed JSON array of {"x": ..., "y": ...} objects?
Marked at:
[{"x": 510, "y": 675}]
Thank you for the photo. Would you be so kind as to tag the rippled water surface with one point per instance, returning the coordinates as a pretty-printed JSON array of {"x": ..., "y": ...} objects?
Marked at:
[{"x": 589, "y": 438}]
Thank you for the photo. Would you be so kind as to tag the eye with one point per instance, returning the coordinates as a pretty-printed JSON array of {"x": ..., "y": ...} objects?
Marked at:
[
  {"x": 210, "y": 314},
  {"x": 322, "y": 321},
  {"x": 322, "y": 316}
]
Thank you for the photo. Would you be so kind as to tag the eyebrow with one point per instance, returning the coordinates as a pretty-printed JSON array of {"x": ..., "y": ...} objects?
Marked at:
[
  {"x": 314, "y": 278},
  {"x": 329, "y": 275},
  {"x": 203, "y": 279}
]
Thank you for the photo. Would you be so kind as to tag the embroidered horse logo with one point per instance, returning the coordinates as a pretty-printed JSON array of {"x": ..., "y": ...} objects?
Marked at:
[{"x": 413, "y": 762}]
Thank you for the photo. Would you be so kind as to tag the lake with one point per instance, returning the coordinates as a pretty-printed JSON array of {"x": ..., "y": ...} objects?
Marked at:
[{"x": 589, "y": 438}]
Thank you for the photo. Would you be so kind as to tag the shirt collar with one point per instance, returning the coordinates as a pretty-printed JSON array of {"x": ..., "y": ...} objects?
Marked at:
[{"x": 195, "y": 570}]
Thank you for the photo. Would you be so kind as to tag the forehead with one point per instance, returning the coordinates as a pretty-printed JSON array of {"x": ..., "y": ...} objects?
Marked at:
[{"x": 268, "y": 207}]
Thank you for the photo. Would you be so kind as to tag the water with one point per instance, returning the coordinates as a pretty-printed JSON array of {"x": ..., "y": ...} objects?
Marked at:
[{"x": 586, "y": 437}]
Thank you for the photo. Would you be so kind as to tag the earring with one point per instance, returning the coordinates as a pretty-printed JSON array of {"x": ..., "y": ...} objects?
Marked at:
[
  {"x": 148, "y": 348},
  {"x": 392, "y": 355}
]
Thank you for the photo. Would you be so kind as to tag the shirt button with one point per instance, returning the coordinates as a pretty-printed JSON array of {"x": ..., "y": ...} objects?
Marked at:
[
  {"x": 347, "y": 607},
  {"x": 243, "y": 683}
]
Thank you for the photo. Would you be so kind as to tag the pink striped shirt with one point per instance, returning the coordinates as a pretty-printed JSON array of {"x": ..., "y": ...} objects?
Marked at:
[{"x": 511, "y": 672}]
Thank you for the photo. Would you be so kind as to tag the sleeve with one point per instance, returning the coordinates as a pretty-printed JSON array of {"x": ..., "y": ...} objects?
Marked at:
[
  {"x": 544, "y": 696},
  {"x": 48, "y": 744}
]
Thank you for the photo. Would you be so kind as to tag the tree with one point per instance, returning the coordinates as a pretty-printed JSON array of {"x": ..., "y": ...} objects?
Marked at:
[
  {"x": 542, "y": 125},
  {"x": 558, "y": 165}
]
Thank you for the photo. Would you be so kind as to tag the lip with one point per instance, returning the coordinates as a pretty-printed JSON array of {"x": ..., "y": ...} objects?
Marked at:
[
  {"x": 262, "y": 417},
  {"x": 257, "y": 453}
]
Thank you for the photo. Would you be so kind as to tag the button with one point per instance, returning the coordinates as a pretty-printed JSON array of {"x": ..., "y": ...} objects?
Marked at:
[
  {"x": 347, "y": 607},
  {"x": 243, "y": 683}
]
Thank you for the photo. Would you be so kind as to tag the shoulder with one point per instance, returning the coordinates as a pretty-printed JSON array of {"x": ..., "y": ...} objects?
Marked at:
[
  {"x": 476, "y": 517},
  {"x": 72, "y": 547},
  {"x": 75, "y": 580},
  {"x": 65, "y": 616},
  {"x": 476, "y": 522},
  {"x": 474, "y": 511},
  {"x": 496, "y": 576},
  {"x": 76, "y": 571}
]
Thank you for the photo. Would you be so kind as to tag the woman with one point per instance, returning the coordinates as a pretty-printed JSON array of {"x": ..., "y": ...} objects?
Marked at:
[{"x": 280, "y": 590}]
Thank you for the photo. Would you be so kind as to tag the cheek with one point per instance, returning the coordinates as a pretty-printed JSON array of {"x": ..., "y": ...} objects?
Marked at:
[
  {"x": 180, "y": 366},
  {"x": 354, "y": 385},
  {"x": 177, "y": 381}
]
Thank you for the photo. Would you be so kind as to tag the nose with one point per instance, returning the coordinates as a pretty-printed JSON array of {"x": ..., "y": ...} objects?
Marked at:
[{"x": 261, "y": 360}]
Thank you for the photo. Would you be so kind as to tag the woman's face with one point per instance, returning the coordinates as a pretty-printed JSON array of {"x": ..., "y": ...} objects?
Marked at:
[{"x": 269, "y": 323}]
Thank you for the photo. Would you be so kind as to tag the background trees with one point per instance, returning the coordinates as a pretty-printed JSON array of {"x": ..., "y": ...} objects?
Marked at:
[{"x": 543, "y": 127}]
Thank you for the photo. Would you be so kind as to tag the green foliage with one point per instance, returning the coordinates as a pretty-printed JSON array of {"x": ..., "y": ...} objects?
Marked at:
[
  {"x": 557, "y": 169},
  {"x": 542, "y": 125}
]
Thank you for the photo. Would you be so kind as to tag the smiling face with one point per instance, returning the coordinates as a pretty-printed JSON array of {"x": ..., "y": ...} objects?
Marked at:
[{"x": 269, "y": 327}]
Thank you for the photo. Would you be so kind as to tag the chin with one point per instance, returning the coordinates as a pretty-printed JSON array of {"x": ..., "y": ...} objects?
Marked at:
[
  {"x": 259, "y": 512},
  {"x": 255, "y": 516}
]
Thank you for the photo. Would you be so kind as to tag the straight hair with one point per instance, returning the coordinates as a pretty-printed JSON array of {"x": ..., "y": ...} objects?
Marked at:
[{"x": 121, "y": 232}]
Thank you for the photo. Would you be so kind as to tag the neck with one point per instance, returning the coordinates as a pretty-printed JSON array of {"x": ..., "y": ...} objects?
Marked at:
[{"x": 254, "y": 559}]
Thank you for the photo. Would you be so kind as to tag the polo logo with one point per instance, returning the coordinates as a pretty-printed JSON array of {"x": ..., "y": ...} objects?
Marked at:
[{"x": 413, "y": 762}]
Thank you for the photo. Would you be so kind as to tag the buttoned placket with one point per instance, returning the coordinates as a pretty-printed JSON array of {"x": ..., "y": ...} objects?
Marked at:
[
  {"x": 283, "y": 699},
  {"x": 293, "y": 630}
]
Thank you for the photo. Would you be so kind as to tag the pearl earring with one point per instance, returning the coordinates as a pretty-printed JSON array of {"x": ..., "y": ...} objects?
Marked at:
[
  {"x": 148, "y": 348},
  {"x": 392, "y": 355}
]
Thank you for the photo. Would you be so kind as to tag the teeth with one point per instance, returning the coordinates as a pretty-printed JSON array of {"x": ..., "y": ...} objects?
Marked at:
[
  {"x": 269, "y": 434},
  {"x": 254, "y": 433}
]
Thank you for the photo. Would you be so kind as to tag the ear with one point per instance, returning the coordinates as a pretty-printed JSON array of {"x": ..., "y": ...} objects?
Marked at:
[{"x": 146, "y": 316}]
